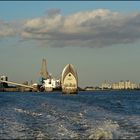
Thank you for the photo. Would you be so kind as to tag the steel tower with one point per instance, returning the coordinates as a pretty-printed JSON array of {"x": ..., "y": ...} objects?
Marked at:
[{"x": 43, "y": 71}]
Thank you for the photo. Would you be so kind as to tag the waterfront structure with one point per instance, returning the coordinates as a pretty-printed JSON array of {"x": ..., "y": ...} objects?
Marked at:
[
  {"x": 127, "y": 84},
  {"x": 124, "y": 85},
  {"x": 134, "y": 86},
  {"x": 50, "y": 84},
  {"x": 121, "y": 85},
  {"x": 89, "y": 88},
  {"x": 69, "y": 80},
  {"x": 22, "y": 87},
  {"x": 46, "y": 81},
  {"x": 115, "y": 86},
  {"x": 4, "y": 78},
  {"x": 106, "y": 85},
  {"x": 43, "y": 72}
]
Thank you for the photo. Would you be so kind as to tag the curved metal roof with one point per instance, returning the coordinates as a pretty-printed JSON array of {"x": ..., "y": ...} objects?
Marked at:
[{"x": 68, "y": 69}]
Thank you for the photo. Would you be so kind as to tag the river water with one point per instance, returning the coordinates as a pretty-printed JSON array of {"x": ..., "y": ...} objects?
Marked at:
[{"x": 87, "y": 115}]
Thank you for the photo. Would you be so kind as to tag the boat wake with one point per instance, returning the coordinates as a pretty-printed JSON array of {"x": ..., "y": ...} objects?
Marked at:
[
  {"x": 77, "y": 125},
  {"x": 49, "y": 116},
  {"x": 34, "y": 114},
  {"x": 104, "y": 130}
]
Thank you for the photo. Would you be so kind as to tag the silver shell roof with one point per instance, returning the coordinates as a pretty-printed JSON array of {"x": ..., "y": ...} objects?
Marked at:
[{"x": 68, "y": 69}]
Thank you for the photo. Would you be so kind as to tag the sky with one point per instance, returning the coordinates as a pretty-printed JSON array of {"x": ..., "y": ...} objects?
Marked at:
[{"x": 100, "y": 38}]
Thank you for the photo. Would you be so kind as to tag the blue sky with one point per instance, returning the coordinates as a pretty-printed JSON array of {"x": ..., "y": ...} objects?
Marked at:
[
  {"x": 11, "y": 10},
  {"x": 101, "y": 39}
]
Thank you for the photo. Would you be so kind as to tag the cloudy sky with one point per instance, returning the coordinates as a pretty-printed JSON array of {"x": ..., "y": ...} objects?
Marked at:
[{"x": 101, "y": 40}]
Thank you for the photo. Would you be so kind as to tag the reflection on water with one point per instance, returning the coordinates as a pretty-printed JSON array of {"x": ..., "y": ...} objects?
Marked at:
[{"x": 88, "y": 115}]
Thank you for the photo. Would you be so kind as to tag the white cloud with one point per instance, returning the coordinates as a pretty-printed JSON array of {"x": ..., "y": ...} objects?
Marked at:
[
  {"x": 97, "y": 28},
  {"x": 6, "y": 29},
  {"x": 34, "y": 23}
]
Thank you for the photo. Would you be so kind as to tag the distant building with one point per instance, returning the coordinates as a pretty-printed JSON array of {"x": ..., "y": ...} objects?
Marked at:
[
  {"x": 115, "y": 86},
  {"x": 124, "y": 85},
  {"x": 106, "y": 85},
  {"x": 127, "y": 84},
  {"x": 4, "y": 78},
  {"x": 121, "y": 84},
  {"x": 134, "y": 86},
  {"x": 138, "y": 86},
  {"x": 89, "y": 88}
]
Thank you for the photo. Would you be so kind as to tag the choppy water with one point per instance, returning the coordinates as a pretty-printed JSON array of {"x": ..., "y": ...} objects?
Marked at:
[{"x": 87, "y": 115}]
